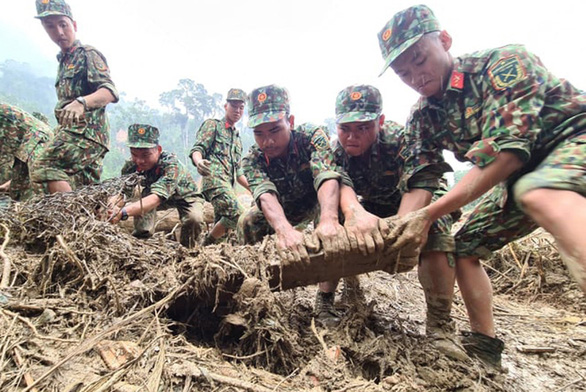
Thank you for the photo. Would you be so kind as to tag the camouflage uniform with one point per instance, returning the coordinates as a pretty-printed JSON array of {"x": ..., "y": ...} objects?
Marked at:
[
  {"x": 169, "y": 180},
  {"x": 497, "y": 100},
  {"x": 295, "y": 178},
  {"x": 220, "y": 143},
  {"x": 76, "y": 153},
  {"x": 376, "y": 180},
  {"x": 23, "y": 138}
]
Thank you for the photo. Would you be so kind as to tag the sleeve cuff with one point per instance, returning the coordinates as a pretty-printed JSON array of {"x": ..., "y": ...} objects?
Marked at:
[
  {"x": 112, "y": 89},
  {"x": 328, "y": 175},
  {"x": 425, "y": 177},
  {"x": 264, "y": 187},
  {"x": 484, "y": 151}
]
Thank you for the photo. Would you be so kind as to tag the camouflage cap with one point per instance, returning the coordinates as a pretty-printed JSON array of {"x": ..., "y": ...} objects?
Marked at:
[
  {"x": 358, "y": 103},
  {"x": 142, "y": 136},
  {"x": 52, "y": 7},
  {"x": 41, "y": 117},
  {"x": 235, "y": 94},
  {"x": 267, "y": 104},
  {"x": 403, "y": 30}
]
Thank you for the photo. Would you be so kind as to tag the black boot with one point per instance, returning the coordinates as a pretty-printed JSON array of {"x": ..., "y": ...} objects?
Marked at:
[
  {"x": 208, "y": 240},
  {"x": 324, "y": 309},
  {"x": 485, "y": 348}
]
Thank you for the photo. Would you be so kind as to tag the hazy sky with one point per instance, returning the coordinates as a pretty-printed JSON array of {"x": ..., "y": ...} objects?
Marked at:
[{"x": 314, "y": 48}]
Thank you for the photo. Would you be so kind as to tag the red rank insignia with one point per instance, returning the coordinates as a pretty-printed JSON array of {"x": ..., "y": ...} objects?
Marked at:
[{"x": 457, "y": 80}]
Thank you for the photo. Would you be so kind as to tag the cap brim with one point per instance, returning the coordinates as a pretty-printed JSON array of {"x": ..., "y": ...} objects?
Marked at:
[
  {"x": 267, "y": 117},
  {"x": 356, "y": 117},
  {"x": 398, "y": 51},
  {"x": 142, "y": 145},
  {"x": 51, "y": 13}
]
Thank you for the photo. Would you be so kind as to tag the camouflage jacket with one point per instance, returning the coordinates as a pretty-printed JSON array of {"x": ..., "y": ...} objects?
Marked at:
[
  {"x": 220, "y": 143},
  {"x": 376, "y": 174},
  {"x": 168, "y": 179},
  {"x": 82, "y": 71},
  {"x": 295, "y": 178},
  {"x": 20, "y": 132},
  {"x": 496, "y": 100}
]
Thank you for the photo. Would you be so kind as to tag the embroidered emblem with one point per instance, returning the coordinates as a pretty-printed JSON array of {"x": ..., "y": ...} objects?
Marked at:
[
  {"x": 471, "y": 111},
  {"x": 320, "y": 140},
  {"x": 262, "y": 97},
  {"x": 356, "y": 95},
  {"x": 71, "y": 66},
  {"x": 507, "y": 72},
  {"x": 100, "y": 65},
  {"x": 141, "y": 131},
  {"x": 457, "y": 80},
  {"x": 387, "y": 34},
  {"x": 45, "y": 1}
]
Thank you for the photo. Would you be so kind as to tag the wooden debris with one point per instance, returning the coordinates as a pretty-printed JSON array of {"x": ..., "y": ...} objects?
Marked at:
[{"x": 115, "y": 354}]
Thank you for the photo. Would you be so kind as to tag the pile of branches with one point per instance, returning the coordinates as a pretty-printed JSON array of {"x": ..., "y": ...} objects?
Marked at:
[
  {"x": 531, "y": 268},
  {"x": 84, "y": 306}
]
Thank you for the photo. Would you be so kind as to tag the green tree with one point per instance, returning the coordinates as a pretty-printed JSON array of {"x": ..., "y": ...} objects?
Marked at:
[
  {"x": 190, "y": 105},
  {"x": 22, "y": 87}
]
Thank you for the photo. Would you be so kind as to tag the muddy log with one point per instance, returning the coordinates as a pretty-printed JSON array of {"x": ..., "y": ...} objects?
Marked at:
[
  {"x": 285, "y": 276},
  {"x": 290, "y": 275}
]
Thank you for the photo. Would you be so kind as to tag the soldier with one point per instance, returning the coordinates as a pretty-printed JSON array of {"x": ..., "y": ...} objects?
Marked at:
[
  {"x": 216, "y": 154},
  {"x": 522, "y": 128},
  {"x": 84, "y": 88},
  {"x": 294, "y": 179},
  {"x": 166, "y": 184},
  {"x": 23, "y": 138},
  {"x": 368, "y": 149}
]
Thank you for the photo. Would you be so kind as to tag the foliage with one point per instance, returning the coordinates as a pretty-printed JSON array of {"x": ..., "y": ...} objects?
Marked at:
[{"x": 20, "y": 86}]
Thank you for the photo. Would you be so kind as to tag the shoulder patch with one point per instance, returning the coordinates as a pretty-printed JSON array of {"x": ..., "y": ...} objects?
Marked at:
[
  {"x": 506, "y": 72},
  {"x": 100, "y": 64},
  {"x": 320, "y": 140}
]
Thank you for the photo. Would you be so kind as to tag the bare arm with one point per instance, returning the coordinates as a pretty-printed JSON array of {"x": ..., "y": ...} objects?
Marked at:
[
  {"x": 475, "y": 183},
  {"x": 362, "y": 227},
  {"x": 73, "y": 112},
  {"x": 328, "y": 196},
  {"x": 414, "y": 200},
  {"x": 244, "y": 182},
  {"x": 99, "y": 98},
  {"x": 288, "y": 239},
  {"x": 137, "y": 208}
]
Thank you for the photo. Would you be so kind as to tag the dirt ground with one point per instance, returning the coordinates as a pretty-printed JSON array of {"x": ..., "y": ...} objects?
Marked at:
[{"x": 94, "y": 309}]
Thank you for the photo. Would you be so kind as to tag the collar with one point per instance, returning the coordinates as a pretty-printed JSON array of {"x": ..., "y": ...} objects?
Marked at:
[
  {"x": 227, "y": 124},
  {"x": 76, "y": 44}
]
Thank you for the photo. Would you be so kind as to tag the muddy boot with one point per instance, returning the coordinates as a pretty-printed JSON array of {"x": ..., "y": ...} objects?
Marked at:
[
  {"x": 441, "y": 329},
  {"x": 208, "y": 240},
  {"x": 352, "y": 293},
  {"x": 324, "y": 310},
  {"x": 485, "y": 348}
]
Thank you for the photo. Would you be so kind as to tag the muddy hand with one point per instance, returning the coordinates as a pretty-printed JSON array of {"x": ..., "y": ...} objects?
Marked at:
[
  {"x": 71, "y": 114},
  {"x": 203, "y": 167},
  {"x": 364, "y": 232},
  {"x": 333, "y": 238},
  {"x": 291, "y": 246},
  {"x": 411, "y": 230}
]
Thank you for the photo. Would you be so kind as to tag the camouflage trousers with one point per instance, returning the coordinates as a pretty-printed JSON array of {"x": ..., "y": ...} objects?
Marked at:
[
  {"x": 5, "y": 167},
  {"x": 70, "y": 157},
  {"x": 252, "y": 226},
  {"x": 190, "y": 214},
  {"x": 227, "y": 208},
  {"x": 21, "y": 187},
  {"x": 498, "y": 218}
]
